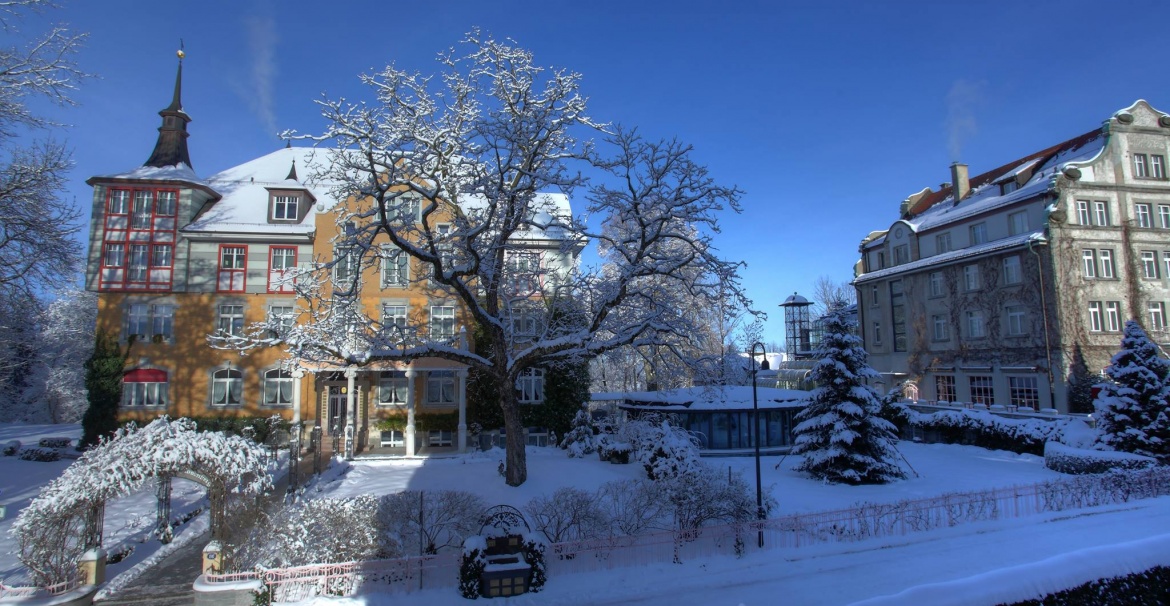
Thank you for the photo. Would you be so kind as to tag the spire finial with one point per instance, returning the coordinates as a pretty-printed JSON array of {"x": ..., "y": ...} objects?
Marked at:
[
  {"x": 171, "y": 148},
  {"x": 292, "y": 173}
]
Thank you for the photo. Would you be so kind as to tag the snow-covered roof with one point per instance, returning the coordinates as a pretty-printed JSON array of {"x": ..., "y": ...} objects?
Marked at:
[
  {"x": 245, "y": 190},
  {"x": 731, "y": 397},
  {"x": 953, "y": 256},
  {"x": 178, "y": 172}
]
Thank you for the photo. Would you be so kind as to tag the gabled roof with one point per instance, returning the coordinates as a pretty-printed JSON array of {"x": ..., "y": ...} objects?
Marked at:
[{"x": 1040, "y": 158}]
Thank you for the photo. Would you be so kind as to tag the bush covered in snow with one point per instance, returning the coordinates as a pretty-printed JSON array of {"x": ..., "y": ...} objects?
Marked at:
[
  {"x": 416, "y": 522},
  {"x": 1066, "y": 459},
  {"x": 40, "y": 454},
  {"x": 568, "y": 514},
  {"x": 55, "y": 442},
  {"x": 317, "y": 531},
  {"x": 579, "y": 440},
  {"x": 471, "y": 566},
  {"x": 10, "y": 448},
  {"x": 979, "y": 428},
  {"x": 1132, "y": 406},
  {"x": 1150, "y": 587}
]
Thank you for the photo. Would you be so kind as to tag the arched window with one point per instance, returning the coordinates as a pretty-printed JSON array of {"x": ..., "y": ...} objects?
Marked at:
[
  {"x": 144, "y": 387},
  {"x": 227, "y": 387},
  {"x": 278, "y": 388},
  {"x": 530, "y": 386}
]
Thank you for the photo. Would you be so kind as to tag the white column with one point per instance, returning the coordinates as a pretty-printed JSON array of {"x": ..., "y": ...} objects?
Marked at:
[
  {"x": 297, "y": 375},
  {"x": 461, "y": 396},
  {"x": 410, "y": 375},
  {"x": 351, "y": 411}
]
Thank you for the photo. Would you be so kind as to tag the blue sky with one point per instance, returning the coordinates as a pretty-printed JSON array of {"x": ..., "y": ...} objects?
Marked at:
[{"x": 827, "y": 114}]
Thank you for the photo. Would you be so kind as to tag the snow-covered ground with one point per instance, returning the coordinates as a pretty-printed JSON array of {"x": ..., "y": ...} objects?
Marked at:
[
  {"x": 983, "y": 563},
  {"x": 129, "y": 520}
]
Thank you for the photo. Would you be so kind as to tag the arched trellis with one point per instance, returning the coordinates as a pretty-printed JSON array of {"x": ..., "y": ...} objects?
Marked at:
[{"x": 118, "y": 466}]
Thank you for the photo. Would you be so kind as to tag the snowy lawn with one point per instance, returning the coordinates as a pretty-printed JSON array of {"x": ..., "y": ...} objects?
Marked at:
[
  {"x": 129, "y": 520},
  {"x": 941, "y": 468}
]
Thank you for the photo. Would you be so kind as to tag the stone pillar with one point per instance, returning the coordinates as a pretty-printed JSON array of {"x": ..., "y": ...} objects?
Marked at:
[
  {"x": 410, "y": 407},
  {"x": 93, "y": 566},
  {"x": 294, "y": 451},
  {"x": 350, "y": 412},
  {"x": 213, "y": 558},
  {"x": 461, "y": 398},
  {"x": 162, "y": 522}
]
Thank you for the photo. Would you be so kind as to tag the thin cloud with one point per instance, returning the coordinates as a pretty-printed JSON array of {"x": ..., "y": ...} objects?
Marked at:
[
  {"x": 262, "y": 39},
  {"x": 962, "y": 101}
]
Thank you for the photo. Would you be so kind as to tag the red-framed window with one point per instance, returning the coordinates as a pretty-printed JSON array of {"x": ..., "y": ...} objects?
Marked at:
[
  {"x": 145, "y": 388},
  {"x": 139, "y": 239},
  {"x": 233, "y": 262},
  {"x": 282, "y": 261}
]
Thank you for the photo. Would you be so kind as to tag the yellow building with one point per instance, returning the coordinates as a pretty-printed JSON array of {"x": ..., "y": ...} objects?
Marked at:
[{"x": 175, "y": 258}]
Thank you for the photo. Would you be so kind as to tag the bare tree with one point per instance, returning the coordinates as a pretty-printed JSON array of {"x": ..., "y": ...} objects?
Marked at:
[
  {"x": 829, "y": 294},
  {"x": 453, "y": 178}
]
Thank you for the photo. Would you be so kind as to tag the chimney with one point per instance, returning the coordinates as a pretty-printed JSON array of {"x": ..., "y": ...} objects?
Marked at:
[{"x": 960, "y": 185}]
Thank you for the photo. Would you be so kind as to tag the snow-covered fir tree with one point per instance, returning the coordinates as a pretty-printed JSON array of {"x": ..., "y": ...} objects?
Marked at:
[
  {"x": 1132, "y": 403},
  {"x": 840, "y": 434}
]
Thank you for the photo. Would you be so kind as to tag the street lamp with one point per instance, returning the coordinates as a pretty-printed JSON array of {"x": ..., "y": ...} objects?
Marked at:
[{"x": 756, "y": 432}]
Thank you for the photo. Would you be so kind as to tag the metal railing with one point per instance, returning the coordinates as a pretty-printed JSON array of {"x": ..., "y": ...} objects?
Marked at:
[
  {"x": 7, "y": 591},
  {"x": 861, "y": 522}
]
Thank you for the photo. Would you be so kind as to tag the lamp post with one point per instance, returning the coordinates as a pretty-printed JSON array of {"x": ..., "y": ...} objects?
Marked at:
[{"x": 756, "y": 433}]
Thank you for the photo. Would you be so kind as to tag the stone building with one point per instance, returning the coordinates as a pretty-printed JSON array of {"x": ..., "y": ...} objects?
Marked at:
[{"x": 988, "y": 289}]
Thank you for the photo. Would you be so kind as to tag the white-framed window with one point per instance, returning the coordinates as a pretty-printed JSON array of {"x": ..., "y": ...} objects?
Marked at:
[
  {"x": 394, "y": 317},
  {"x": 873, "y": 295},
  {"x": 119, "y": 202},
  {"x": 1113, "y": 316},
  {"x": 227, "y": 387},
  {"x": 1011, "y": 270},
  {"x": 145, "y": 387},
  {"x": 941, "y": 328},
  {"x": 982, "y": 390},
  {"x": 530, "y": 386},
  {"x": 942, "y": 242},
  {"x": 524, "y": 272},
  {"x": 1149, "y": 264},
  {"x": 442, "y": 322},
  {"x": 392, "y": 388},
  {"x": 1149, "y": 166},
  {"x": 138, "y": 320},
  {"x": 1157, "y": 315},
  {"x": 975, "y": 325},
  {"x": 395, "y": 267},
  {"x": 1089, "y": 267},
  {"x": 165, "y": 203},
  {"x": 409, "y": 209},
  {"x": 1018, "y": 223},
  {"x": 162, "y": 255},
  {"x": 1016, "y": 320},
  {"x": 971, "y": 277},
  {"x": 1096, "y": 318},
  {"x": 284, "y": 208},
  {"x": 1142, "y": 215},
  {"x": 283, "y": 316},
  {"x": 1106, "y": 257},
  {"x": 1008, "y": 187},
  {"x": 1024, "y": 391},
  {"x": 937, "y": 284},
  {"x": 281, "y": 265},
  {"x": 877, "y": 333},
  {"x": 901, "y": 254},
  {"x": 1083, "y": 215},
  {"x": 1101, "y": 212},
  {"x": 441, "y": 388},
  {"x": 140, "y": 218},
  {"x": 138, "y": 266},
  {"x": 150, "y": 321},
  {"x": 278, "y": 388},
  {"x": 1166, "y": 263},
  {"x": 527, "y": 320},
  {"x": 1164, "y": 216},
  {"x": 345, "y": 265},
  {"x": 115, "y": 255},
  {"x": 944, "y": 388},
  {"x": 231, "y": 319},
  {"x": 978, "y": 233}
]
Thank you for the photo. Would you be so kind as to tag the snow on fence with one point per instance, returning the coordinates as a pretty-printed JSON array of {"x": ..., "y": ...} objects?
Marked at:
[
  {"x": 52, "y": 590},
  {"x": 863, "y": 521}
]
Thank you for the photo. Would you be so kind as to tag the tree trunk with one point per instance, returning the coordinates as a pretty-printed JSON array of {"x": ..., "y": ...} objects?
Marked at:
[{"x": 517, "y": 468}]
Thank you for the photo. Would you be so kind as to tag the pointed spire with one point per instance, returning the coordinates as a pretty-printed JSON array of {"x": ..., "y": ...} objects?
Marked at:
[
  {"x": 171, "y": 147},
  {"x": 292, "y": 173}
]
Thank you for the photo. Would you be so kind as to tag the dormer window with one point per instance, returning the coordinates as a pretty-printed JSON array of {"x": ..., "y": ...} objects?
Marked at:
[
  {"x": 1008, "y": 186},
  {"x": 284, "y": 208}
]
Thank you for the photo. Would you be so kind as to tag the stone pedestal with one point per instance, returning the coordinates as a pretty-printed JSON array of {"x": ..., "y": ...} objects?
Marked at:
[
  {"x": 93, "y": 566},
  {"x": 213, "y": 558}
]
